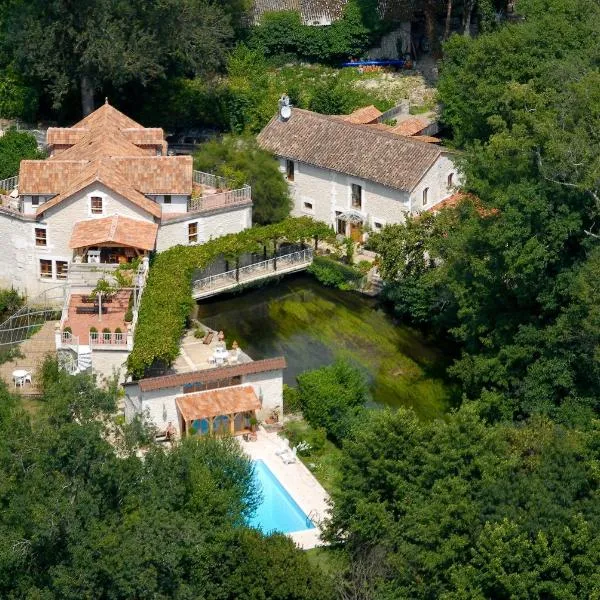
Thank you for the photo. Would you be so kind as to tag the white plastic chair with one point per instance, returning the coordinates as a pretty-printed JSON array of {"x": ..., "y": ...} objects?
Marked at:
[{"x": 27, "y": 378}]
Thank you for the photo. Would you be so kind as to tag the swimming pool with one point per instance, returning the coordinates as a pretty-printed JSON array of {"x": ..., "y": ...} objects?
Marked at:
[{"x": 278, "y": 511}]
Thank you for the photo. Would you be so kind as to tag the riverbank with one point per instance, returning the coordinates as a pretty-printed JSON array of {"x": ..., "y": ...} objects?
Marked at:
[{"x": 312, "y": 325}]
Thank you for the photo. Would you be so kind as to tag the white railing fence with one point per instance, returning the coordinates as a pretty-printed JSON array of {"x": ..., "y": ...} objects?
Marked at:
[
  {"x": 9, "y": 184},
  {"x": 210, "y": 180},
  {"x": 101, "y": 338},
  {"x": 254, "y": 270},
  {"x": 219, "y": 200}
]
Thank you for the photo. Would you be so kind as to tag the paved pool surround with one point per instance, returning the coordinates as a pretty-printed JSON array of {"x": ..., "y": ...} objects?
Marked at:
[{"x": 298, "y": 481}]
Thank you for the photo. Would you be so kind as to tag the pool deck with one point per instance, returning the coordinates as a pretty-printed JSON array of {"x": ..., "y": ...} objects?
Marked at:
[{"x": 299, "y": 482}]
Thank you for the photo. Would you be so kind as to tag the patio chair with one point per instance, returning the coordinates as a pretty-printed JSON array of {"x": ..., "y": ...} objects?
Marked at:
[
  {"x": 290, "y": 458},
  {"x": 285, "y": 447},
  {"x": 27, "y": 378}
]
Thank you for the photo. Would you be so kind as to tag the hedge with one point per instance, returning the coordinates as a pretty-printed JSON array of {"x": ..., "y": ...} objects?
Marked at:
[{"x": 167, "y": 299}]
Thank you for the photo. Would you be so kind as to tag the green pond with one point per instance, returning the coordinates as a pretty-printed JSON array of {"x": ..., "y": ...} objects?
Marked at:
[{"x": 311, "y": 325}]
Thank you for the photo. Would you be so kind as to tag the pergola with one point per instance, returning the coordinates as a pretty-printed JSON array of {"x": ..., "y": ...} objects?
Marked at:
[{"x": 218, "y": 411}]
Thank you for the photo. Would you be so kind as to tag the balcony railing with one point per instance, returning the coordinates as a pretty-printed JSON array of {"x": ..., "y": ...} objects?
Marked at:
[
  {"x": 222, "y": 200},
  {"x": 210, "y": 180},
  {"x": 108, "y": 339},
  {"x": 8, "y": 185}
]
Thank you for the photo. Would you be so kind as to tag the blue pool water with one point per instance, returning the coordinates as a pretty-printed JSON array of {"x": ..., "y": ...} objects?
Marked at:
[{"x": 278, "y": 511}]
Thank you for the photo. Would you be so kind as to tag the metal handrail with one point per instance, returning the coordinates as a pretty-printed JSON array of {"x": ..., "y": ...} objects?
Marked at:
[{"x": 264, "y": 265}]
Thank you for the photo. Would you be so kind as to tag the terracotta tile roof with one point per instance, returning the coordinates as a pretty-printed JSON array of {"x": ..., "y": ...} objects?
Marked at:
[
  {"x": 458, "y": 197},
  {"x": 223, "y": 401},
  {"x": 64, "y": 135},
  {"x": 358, "y": 150},
  {"x": 110, "y": 148},
  {"x": 102, "y": 171},
  {"x": 157, "y": 174},
  {"x": 211, "y": 375},
  {"x": 364, "y": 115},
  {"x": 47, "y": 177},
  {"x": 116, "y": 229},
  {"x": 410, "y": 127},
  {"x": 427, "y": 139}
]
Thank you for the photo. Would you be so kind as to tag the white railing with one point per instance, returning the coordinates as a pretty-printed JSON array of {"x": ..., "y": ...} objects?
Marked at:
[
  {"x": 9, "y": 184},
  {"x": 68, "y": 339},
  {"x": 100, "y": 338},
  {"x": 221, "y": 200},
  {"x": 254, "y": 271},
  {"x": 210, "y": 180}
]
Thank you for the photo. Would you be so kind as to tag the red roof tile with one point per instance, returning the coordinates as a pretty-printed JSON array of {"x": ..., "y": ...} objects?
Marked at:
[
  {"x": 222, "y": 401},
  {"x": 211, "y": 375},
  {"x": 116, "y": 229},
  {"x": 364, "y": 115}
]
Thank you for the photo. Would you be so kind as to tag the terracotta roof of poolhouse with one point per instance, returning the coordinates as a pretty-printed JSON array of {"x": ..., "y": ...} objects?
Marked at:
[
  {"x": 211, "y": 375},
  {"x": 224, "y": 401},
  {"x": 362, "y": 151}
]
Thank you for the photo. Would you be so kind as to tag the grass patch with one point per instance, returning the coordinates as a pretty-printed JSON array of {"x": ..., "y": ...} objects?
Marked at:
[{"x": 323, "y": 456}]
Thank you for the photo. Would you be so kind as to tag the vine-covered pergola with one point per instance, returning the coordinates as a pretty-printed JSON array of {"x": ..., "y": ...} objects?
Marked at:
[{"x": 167, "y": 298}]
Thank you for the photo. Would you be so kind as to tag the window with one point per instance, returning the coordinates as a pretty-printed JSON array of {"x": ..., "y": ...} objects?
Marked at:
[
  {"x": 356, "y": 196},
  {"x": 450, "y": 179},
  {"x": 377, "y": 225},
  {"x": 45, "y": 269},
  {"x": 425, "y": 193},
  {"x": 159, "y": 152},
  {"x": 308, "y": 206},
  {"x": 192, "y": 233},
  {"x": 167, "y": 199},
  {"x": 35, "y": 200},
  {"x": 96, "y": 205},
  {"x": 289, "y": 170},
  {"x": 62, "y": 268},
  {"x": 40, "y": 236}
]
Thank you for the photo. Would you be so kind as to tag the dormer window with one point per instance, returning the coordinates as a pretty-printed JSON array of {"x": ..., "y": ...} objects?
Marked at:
[{"x": 96, "y": 205}]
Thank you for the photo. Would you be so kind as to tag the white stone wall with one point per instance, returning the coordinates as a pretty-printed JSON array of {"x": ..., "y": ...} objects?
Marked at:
[
  {"x": 17, "y": 256},
  {"x": 269, "y": 389},
  {"x": 177, "y": 205},
  {"x": 436, "y": 182},
  {"x": 158, "y": 404},
  {"x": 319, "y": 193},
  {"x": 328, "y": 191},
  {"x": 211, "y": 226}
]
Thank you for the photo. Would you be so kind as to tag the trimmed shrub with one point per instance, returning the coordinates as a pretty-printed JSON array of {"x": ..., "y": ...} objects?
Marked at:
[{"x": 335, "y": 274}]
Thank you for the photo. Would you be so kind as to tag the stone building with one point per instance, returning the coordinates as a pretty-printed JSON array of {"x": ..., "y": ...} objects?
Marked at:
[{"x": 354, "y": 176}]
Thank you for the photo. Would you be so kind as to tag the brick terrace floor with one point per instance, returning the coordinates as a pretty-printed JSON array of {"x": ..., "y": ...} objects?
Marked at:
[{"x": 114, "y": 317}]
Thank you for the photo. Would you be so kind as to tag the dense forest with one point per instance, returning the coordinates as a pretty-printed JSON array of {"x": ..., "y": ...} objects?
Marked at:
[{"x": 499, "y": 499}]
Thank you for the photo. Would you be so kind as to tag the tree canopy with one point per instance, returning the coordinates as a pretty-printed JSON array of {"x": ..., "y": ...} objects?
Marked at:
[
  {"x": 114, "y": 42},
  {"x": 83, "y": 516},
  {"x": 242, "y": 162},
  {"x": 16, "y": 146}
]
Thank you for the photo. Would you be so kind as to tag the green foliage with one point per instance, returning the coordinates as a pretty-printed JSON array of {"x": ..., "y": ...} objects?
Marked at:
[
  {"x": 291, "y": 400},
  {"x": 457, "y": 509},
  {"x": 333, "y": 397},
  {"x": 333, "y": 273},
  {"x": 283, "y": 33},
  {"x": 16, "y": 146},
  {"x": 10, "y": 302},
  {"x": 167, "y": 299},
  {"x": 85, "y": 518},
  {"x": 241, "y": 161},
  {"x": 17, "y": 100},
  {"x": 61, "y": 47}
]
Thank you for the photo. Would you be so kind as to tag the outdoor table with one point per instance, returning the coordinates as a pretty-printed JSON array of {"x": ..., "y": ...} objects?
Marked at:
[
  {"x": 220, "y": 355},
  {"x": 19, "y": 376}
]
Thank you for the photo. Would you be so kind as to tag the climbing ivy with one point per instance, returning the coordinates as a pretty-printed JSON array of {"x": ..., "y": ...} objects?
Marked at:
[{"x": 167, "y": 299}]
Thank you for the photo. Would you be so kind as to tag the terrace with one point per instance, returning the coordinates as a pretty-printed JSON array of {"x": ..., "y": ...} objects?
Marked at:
[{"x": 210, "y": 192}]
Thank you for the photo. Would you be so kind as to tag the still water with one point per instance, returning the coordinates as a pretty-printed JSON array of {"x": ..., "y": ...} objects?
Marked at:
[{"x": 312, "y": 325}]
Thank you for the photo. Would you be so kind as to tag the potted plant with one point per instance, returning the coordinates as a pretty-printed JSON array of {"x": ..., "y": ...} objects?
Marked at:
[
  {"x": 106, "y": 334},
  {"x": 253, "y": 424},
  {"x": 93, "y": 334},
  {"x": 118, "y": 335}
]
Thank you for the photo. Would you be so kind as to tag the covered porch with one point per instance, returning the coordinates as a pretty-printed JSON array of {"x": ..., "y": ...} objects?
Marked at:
[
  {"x": 349, "y": 223},
  {"x": 112, "y": 240},
  {"x": 222, "y": 411}
]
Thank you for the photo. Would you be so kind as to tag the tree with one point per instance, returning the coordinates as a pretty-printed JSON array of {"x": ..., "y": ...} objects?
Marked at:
[
  {"x": 333, "y": 397},
  {"x": 242, "y": 162},
  {"x": 17, "y": 100},
  {"x": 455, "y": 508},
  {"x": 85, "y": 517},
  {"x": 16, "y": 146},
  {"x": 113, "y": 42}
]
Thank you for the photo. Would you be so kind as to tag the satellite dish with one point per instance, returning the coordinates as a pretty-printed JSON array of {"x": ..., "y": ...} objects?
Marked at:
[{"x": 285, "y": 112}]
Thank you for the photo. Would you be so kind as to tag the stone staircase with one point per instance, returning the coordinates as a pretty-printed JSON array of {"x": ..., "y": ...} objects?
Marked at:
[
  {"x": 84, "y": 277},
  {"x": 34, "y": 350}
]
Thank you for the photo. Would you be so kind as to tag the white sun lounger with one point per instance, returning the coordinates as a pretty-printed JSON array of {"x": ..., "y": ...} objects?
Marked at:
[
  {"x": 290, "y": 457},
  {"x": 285, "y": 447}
]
